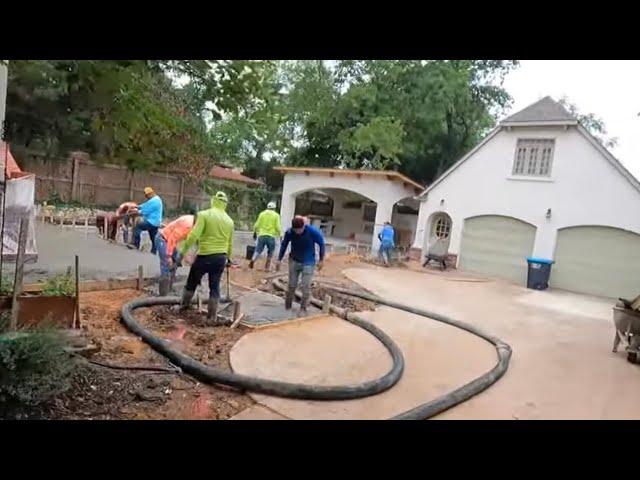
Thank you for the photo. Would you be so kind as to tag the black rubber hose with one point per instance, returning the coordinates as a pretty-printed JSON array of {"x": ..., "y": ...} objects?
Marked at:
[
  {"x": 459, "y": 395},
  {"x": 259, "y": 385}
]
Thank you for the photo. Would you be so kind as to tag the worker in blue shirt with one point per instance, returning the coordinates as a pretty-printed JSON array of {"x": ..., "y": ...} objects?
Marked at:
[
  {"x": 302, "y": 259},
  {"x": 387, "y": 243},
  {"x": 151, "y": 212}
]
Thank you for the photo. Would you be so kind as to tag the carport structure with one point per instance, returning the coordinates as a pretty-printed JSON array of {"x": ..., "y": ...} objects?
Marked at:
[{"x": 361, "y": 201}]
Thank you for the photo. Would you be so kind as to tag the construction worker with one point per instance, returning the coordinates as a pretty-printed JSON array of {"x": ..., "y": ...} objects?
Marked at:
[
  {"x": 387, "y": 243},
  {"x": 213, "y": 231},
  {"x": 166, "y": 243},
  {"x": 151, "y": 212},
  {"x": 267, "y": 228},
  {"x": 124, "y": 212},
  {"x": 302, "y": 259}
]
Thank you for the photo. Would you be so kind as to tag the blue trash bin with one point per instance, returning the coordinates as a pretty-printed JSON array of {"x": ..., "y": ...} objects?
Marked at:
[{"x": 538, "y": 273}]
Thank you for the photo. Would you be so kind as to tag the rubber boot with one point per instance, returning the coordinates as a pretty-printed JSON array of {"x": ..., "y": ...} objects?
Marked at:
[
  {"x": 163, "y": 286},
  {"x": 212, "y": 312},
  {"x": 267, "y": 265},
  {"x": 303, "y": 309},
  {"x": 288, "y": 300},
  {"x": 185, "y": 303}
]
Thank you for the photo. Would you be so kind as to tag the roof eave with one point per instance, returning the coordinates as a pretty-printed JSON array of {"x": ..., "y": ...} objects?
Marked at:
[{"x": 545, "y": 123}]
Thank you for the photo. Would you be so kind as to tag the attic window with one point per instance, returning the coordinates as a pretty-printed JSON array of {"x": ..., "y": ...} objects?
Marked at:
[{"x": 534, "y": 157}]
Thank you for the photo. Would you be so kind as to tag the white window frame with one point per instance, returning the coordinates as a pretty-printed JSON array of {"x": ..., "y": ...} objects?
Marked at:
[
  {"x": 533, "y": 157},
  {"x": 442, "y": 227}
]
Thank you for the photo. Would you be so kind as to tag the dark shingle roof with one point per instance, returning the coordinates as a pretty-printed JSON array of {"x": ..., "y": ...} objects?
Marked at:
[{"x": 544, "y": 110}]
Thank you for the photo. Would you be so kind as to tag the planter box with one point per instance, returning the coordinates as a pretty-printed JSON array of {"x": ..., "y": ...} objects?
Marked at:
[{"x": 57, "y": 311}]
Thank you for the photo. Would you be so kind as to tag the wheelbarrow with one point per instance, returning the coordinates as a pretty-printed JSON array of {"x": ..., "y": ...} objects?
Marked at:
[{"x": 627, "y": 324}]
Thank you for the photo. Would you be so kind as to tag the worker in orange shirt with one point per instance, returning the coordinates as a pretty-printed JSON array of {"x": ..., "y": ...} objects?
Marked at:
[{"x": 166, "y": 242}]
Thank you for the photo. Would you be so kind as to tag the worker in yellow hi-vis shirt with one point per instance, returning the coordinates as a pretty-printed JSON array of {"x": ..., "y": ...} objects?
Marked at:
[
  {"x": 214, "y": 233},
  {"x": 266, "y": 229}
]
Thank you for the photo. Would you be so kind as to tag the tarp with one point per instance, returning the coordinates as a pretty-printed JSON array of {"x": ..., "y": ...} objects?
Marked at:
[{"x": 19, "y": 203}]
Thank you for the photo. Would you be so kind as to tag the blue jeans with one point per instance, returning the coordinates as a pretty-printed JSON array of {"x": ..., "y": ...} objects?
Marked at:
[
  {"x": 126, "y": 223},
  {"x": 303, "y": 273},
  {"x": 385, "y": 252},
  {"x": 265, "y": 241},
  {"x": 161, "y": 246},
  {"x": 152, "y": 229}
]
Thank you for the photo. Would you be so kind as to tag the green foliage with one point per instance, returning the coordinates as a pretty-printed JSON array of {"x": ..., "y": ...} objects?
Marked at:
[
  {"x": 7, "y": 285},
  {"x": 414, "y": 116},
  {"x": 61, "y": 284},
  {"x": 594, "y": 124},
  {"x": 245, "y": 203},
  {"x": 128, "y": 112},
  {"x": 33, "y": 367}
]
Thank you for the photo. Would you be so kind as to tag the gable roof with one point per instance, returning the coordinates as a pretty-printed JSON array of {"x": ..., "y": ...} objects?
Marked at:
[
  {"x": 224, "y": 173},
  {"x": 389, "y": 174},
  {"x": 544, "y": 110}
]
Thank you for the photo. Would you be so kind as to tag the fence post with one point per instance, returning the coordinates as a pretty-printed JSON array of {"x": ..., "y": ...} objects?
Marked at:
[
  {"x": 17, "y": 283},
  {"x": 75, "y": 173},
  {"x": 181, "y": 193},
  {"x": 131, "y": 175}
]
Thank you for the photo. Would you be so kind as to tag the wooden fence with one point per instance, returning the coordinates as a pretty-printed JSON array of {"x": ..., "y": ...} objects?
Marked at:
[{"x": 79, "y": 179}]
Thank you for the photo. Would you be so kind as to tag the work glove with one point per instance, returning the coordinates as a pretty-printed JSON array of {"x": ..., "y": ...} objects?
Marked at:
[
  {"x": 178, "y": 262},
  {"x": 255, "y": 236}
]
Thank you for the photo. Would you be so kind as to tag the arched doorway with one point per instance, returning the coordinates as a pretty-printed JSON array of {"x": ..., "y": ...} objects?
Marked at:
[
  {"x": 344, "y": 216},
  {"x": 439, "y": 237},
  {"x": 404, "y": 219}
]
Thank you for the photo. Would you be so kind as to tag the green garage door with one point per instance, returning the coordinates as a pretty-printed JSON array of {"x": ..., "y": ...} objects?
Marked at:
[
  {"x": 497, "y": 246},
  {"x": 597, "y": 260}
]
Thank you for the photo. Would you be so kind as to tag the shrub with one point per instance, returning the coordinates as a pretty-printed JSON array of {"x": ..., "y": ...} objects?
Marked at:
[
  {"x": 61, "y": 284},
  {"x": 33, "y": 367}
]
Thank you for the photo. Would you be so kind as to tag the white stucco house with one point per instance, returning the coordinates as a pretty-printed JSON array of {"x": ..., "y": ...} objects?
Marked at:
[
  {"x": 539, "y": 185},
  {"x": 351, "y": 205}
]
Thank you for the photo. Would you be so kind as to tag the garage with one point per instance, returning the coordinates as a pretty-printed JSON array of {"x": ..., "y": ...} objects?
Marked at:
[
  {"x": 497, "y": 246},
  {"x": 597, "y": 260}
]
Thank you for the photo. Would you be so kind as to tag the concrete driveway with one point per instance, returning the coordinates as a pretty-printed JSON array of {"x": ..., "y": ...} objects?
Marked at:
[{"x": 562, "y": 366}]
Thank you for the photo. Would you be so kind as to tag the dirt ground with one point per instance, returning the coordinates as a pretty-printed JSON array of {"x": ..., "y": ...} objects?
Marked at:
[{"x": 99, "y": 392}]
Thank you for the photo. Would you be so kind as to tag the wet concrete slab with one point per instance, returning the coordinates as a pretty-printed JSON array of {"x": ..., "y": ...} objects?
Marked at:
[{"x": 262, "y": 309}]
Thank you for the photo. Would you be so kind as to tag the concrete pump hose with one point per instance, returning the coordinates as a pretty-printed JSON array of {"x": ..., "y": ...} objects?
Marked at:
[
  {"x": 259, "y": 385},
  {"x": 466, "y": 391}
]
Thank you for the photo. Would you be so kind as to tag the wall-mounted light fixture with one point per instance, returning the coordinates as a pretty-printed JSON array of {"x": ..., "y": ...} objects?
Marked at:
[
  {"x": 442, "y": 202},
  {"x": 548, "y": 213}
]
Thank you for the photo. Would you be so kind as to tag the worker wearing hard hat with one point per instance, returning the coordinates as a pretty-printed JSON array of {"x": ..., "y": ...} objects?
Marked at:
[
  {"x": 213, "y": 231},
  {"x": 151, "y": 212},
  {"x": 266, "y": 229}
]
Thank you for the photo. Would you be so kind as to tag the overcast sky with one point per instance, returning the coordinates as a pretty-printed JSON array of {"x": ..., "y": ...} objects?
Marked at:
[{"x": 608, "y": 88}]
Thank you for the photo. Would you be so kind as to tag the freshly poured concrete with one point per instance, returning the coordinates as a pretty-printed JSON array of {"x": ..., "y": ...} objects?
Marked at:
[
  {"x": 562, "y": 366},
  {"x": 331, "y": 351},
  {"x": 99, "y": 259}
]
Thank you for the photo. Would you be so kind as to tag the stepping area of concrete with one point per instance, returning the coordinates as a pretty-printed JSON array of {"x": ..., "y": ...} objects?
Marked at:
[{"x": 562, "y": 365}]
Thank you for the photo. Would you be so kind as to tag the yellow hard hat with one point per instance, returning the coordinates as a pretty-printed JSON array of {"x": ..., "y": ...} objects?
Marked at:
[{"x": 148, "y": 190}]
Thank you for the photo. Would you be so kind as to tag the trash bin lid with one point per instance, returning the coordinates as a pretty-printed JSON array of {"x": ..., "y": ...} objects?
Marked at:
[{"x": 545, "y": 261}]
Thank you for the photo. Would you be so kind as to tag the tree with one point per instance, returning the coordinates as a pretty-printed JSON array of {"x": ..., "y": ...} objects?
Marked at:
[
  {"x": 594, "y": 124},
  {"x": 414, "y": 116},
  {"x": 129, "y": 112}
]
